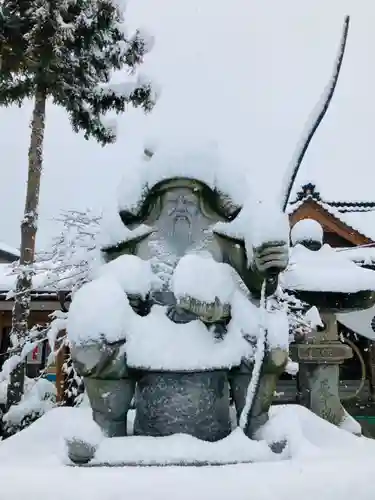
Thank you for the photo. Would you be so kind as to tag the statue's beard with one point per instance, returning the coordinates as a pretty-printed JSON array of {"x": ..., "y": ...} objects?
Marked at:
[{"x": 182, "y": 233}]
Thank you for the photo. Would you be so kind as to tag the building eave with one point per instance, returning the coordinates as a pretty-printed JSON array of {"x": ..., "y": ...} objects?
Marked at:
[{"x": 329, "y": 217}]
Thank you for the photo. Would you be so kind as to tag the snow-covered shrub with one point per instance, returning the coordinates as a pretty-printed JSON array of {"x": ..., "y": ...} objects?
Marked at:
[
  {"x": 38, "y": 398},
  {"x": 64, "y": 268}
]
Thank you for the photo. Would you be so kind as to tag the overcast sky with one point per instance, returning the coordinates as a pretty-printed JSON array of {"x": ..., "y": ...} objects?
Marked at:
[{"x": 244, "y": 73}]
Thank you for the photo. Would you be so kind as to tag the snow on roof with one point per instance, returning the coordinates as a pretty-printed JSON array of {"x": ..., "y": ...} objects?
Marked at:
[
  {"x": 361, "y": 322},
  {"x": 326, "y": 270},
  {"x": 364, "y": 255},
  {"x": 42, "y": 282},
  {"x": 357, "y": 215},
  {"x": 363, "y": 222},
  {"x": 8, "y": 249}
]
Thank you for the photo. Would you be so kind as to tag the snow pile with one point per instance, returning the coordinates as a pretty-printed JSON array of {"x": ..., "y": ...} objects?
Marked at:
[
  {"x": 200, "y": 277},
  {"x": 29, "y": 383},
  {"x": 259, "y": 222},
  {"x": 39, "y": 398},
  {"x": 306, "y": 230},
  {"x": 99, "y": 309},
  {"x": 182, "y": 449},
  {"x": 154, "y": 342},
  {"x": 308, "y": 438},
  {"x": 325, "y": 270},
  {"x": 201, "y": 163},
  {"x": 322, "y": 459},
  {"x": 363, "y": 255},
  {"x": 350, "y": 424}
]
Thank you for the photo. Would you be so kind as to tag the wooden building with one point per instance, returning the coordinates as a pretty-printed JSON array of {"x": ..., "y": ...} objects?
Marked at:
[
  {"x": 346, "y": 224},
  {"x": 8, "y": 254}
]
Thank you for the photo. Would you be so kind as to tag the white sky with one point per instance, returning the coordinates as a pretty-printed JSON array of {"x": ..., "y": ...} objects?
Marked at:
[{"x": 243, "y": 73}]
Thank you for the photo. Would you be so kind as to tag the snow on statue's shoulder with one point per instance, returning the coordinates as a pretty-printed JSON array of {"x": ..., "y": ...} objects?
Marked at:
[
  {"x": 199, "y": 276},
  {"x": 259, "y": 222},
  {"x": 99, "y": 309},
  {"x": 133, "y": 274},
  {"x": 113, "y": 231},
  {"x": 325, "y": 270}
]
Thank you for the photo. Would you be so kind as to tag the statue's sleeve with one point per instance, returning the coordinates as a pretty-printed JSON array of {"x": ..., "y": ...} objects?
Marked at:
[
  {"x": 234, "y": 254},
  {"x": 100, "y": 360}
]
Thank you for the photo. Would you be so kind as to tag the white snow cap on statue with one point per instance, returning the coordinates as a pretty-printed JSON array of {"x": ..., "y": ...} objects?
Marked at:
[
  {"x": 306, "y": 230},
  {"x": 202, "y": 162}
]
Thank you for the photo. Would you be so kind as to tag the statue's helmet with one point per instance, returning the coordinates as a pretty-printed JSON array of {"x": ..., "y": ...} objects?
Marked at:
[{"x": 211, "y": 200}]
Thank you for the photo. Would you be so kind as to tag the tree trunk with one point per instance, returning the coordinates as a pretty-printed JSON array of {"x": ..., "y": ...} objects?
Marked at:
[{"x": 21, "y": 308}]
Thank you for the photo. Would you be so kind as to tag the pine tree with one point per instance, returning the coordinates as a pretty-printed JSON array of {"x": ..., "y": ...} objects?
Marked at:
[{"x": 66, "y": 51}]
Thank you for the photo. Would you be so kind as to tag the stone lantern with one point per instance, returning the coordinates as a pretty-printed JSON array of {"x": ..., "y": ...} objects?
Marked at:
[{"x": 318, "y": 276}]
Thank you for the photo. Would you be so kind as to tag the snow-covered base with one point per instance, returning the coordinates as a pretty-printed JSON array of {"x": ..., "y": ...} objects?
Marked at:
[{"x": 325, "y": 463}]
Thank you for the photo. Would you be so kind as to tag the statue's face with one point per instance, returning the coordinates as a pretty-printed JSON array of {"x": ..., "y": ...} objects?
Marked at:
[
  {"x": 181, "y": 206},
  {"x": 181, "y": 225},
  {"x": 181, "y": 222}
]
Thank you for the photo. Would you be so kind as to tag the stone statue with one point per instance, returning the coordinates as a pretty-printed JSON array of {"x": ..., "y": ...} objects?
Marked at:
[{"x": 181, "y": 214}]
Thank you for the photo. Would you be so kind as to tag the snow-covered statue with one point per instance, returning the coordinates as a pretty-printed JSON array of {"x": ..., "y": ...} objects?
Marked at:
[
  {"x": 178, "y": 315},
  {"x": 185, "y": 316}
]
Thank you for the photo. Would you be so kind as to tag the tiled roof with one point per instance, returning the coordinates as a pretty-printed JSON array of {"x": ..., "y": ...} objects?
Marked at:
[
  {"x": 353, "y": 206},
  {"x": 9, "y": 251},
  {"x": 358, "y": 215}
]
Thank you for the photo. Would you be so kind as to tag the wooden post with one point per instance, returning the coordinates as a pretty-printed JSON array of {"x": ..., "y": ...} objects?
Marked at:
[{"x": 60, "y": 360}]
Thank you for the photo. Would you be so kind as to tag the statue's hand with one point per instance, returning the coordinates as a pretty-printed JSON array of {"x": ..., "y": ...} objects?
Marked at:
[{"x": 271, "y": 257}]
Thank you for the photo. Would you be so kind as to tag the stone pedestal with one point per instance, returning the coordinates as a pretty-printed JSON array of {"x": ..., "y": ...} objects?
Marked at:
[{"x": 319, "y": 360}]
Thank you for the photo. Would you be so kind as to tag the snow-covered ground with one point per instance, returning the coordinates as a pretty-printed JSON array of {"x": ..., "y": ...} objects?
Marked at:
[{"x": 327, "y": 463}]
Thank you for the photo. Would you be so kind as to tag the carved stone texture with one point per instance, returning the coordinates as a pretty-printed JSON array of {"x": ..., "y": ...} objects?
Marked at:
[
  {"x": 110, "y": 402},
  {"x": 319, "y": 360},
  {"x": 189, "y": 403},
  {"x": 332, "y": 353}
]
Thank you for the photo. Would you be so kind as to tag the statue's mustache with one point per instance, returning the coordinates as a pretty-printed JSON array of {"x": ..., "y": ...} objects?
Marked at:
[{"x": 181, "y": 216}]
